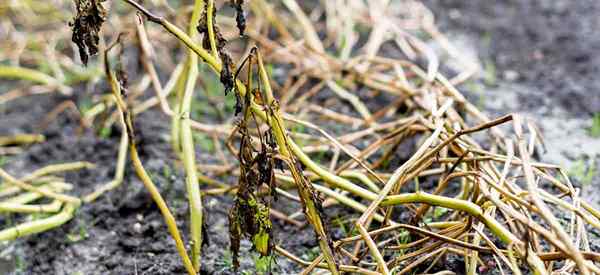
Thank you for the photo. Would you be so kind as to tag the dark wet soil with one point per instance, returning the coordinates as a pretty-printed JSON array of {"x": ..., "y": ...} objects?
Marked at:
[{"x": 552, "y": 45}]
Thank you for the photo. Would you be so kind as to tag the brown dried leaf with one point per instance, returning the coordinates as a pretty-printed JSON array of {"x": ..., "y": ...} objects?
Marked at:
[
  {"x": 86, "y": 27},
  {"x": 240, "y": 18},
  {"x": 226, "y": 77},
  {"x": 249, "y": 217}
]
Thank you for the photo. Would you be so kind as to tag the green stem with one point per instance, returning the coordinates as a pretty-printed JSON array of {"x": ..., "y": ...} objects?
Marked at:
[
  {"x": 305, "y": 189},
  {"x": 456, "y": 204},
  {"x": 141, "y": 172},
  {"x": 336, "y": 195},
  {"x": 40, "y": 225},
  {"x": 51, "y": 207},
  {"x": 162, "y": 206},
  {"x": 187, "y": 143},
  {"x": 27, "y": 74},
  {"x": 211, "y": 30}
]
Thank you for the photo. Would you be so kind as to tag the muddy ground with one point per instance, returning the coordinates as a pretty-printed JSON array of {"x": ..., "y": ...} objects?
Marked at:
[{"x": 539, "y": 59}]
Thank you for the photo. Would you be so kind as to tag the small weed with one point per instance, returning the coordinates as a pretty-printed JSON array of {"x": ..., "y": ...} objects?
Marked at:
[
  {"x": 342, "y": 45},
  {"x": 19, "y": 264},
  {"x": 386, "y": 163},
  {"x": 3, "y": 161},
  {"x": 167, "y": 172},
  {"x": 262, "y": 264},
  {"x": 105, "y": 132},
  {"x": 581, "y": 173},
  {"x": 594, "y": 131},
  {"x": 438, "y": 212},
  {"x": 340, "y": 222},
  {"x": 479, "y": 90},
  {"x": 489, "y": 72},
  {"x": 84, "y": 105},
  {"x": 486, "y": 40},
  {"x": 205, "y": 142},
  {"x": 212, "y": 84},
  {"x": 312, "y": 253},
  {"x": 225, "y": 262},
  {"x": 298, "y": 128},
  {"x": 230, "y": 103},
  {"x": 201, "y": 108},
  {"x": 404, "y": 239},
  {"x": 321, "y": 157},
  {"x": 81, "y": 235},
  {"x": 348, "y": 231}
]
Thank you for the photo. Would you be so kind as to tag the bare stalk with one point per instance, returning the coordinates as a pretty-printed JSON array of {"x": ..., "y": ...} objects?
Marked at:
[{"x": 141, "y": 172}]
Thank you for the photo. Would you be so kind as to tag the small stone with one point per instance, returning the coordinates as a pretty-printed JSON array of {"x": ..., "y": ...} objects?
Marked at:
[
  {"x": 137, "y": 228},
  {"x": 212, "y": 203},
  {"x": 454, "y": 14},
  {"x": 538, "y": 55},
  {"x": 139, "y": 217},
  {"x": 510, "y": 75}
]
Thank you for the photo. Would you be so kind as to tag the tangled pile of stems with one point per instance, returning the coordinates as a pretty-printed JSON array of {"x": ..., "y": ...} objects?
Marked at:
[{"x": 495, "y": 209}]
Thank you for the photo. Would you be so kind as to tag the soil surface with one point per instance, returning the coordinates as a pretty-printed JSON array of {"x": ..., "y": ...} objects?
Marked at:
[
  {"x": 551, "y": 46},
  {"x": 538, "y": 58}
]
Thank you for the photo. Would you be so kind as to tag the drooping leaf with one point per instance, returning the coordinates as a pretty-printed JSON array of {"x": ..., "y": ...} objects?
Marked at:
[
  {"x": 240, "y": 18},
  {"x": 249, "y": 216},
  {"x": 86, "y": 27},
  {"x": 226, "y": 76},
  {"x": 228, "y": 67}
]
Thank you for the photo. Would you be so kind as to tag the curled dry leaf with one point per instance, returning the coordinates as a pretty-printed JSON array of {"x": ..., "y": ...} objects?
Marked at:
[
  {"x": 86, "y": 27},
  {"x": 249, "y": 217},
  {"x": 226, "y": 76},
  {"x": 240, "y": 18}
]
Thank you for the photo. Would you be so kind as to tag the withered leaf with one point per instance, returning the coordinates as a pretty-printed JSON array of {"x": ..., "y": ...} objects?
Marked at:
[
  {"x": 226, "y": 75},
  {"x": 240, "y": 18},
  {"x": 249, "y": 216},
  {"x": 86, "y": 27},
  {"x": 238, "y": 104},
  {"x": 202, "y": 28}
]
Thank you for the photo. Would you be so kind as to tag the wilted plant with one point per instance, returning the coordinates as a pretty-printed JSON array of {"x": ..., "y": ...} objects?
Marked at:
[{"x": 494, "y": 207}]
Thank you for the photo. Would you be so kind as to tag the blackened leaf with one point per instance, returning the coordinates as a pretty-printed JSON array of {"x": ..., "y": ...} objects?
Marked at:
[
  {"x": 226, "y": 75},
  {"x": 86, "y": 27},
  {"x": 238, "y": 104},
  {"x": 240, "y": 18}
]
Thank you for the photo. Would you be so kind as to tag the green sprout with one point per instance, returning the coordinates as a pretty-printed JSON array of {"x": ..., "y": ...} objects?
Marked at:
[
  {"x": 594, "y": 130},
  {"x": 581, "y": 173}
]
